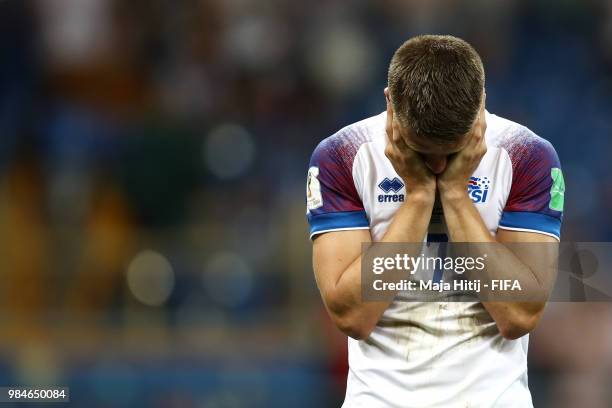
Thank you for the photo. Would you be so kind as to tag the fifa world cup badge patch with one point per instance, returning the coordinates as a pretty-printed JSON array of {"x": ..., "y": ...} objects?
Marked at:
[
  {"x": 557, "y": 191},
  {"x": 314, "y": 199}
]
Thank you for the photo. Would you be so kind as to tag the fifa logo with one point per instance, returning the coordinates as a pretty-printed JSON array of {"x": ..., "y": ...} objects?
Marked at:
[
  {"x": 478, "y": 188},
  {"x": 314, "y": 199}
]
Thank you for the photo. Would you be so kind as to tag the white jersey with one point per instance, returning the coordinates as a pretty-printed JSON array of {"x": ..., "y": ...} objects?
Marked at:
[{"x": 435, "y": 354}]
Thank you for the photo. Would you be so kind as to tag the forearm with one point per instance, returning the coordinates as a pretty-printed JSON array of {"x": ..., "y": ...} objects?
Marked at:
[
  {"x": 464, "y": 224},
  {"x": 462, "y": 218},
  {"x": 350, "y": 311}
]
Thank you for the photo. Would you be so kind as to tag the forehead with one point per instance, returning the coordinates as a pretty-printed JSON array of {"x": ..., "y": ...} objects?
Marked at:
[{"x": 424, "y": 145}]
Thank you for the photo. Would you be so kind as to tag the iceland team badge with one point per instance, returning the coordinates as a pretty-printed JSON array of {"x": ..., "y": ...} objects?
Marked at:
[{"x": 478, "y": 188}]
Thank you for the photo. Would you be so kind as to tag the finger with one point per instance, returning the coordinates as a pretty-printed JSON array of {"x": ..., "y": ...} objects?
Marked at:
[
  {"x": 477, "y": 147},
  {"x": 484, "y": 122},
  {"x": 482, "y": 130},
  {"x": 476, "y": 137},
  {"x": 481, "y": 123},
  {"x": 398, "y": 140},
  {"x": 389, "y": 132},
  {"x": 483, "y": 145},
  {"x": 389, "y": 122},
  {"x": 394, "y": 142},
  {"x": 389, "y": 125},
  {"x": 389, "y": 152},
  {"x": 390, "y": 148}
]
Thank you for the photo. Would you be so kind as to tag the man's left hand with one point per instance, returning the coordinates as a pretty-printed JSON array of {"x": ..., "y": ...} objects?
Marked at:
[{"x": 462, "y": 164}]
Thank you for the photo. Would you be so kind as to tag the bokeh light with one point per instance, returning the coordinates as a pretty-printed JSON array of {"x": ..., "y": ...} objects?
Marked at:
[
  {"x": 150, "y": 278},
  {"x": 229, "y": 151},
  {"x": 228, "y": 279}
]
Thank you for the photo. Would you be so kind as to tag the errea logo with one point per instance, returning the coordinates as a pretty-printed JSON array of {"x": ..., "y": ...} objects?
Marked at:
[{"x": 388, "y": 186}]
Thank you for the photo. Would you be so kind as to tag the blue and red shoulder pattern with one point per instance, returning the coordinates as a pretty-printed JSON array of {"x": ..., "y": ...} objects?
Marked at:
[
  {"x": 535, "y": 202},
  {"x": 333, "y": 202}
]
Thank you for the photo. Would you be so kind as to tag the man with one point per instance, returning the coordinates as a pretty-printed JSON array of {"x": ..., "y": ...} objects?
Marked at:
[{"x": 377, "y": 180}]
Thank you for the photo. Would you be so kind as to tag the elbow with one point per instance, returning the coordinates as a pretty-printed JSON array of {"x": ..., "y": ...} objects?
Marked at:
[
  {"x": 351, "y": 321},
  {"x": 353, "y": 327},
  {"x": 516, "y": 328}
]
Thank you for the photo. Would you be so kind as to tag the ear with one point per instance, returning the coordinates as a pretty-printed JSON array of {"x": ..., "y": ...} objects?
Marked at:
[{"x": 386, "y": 92}]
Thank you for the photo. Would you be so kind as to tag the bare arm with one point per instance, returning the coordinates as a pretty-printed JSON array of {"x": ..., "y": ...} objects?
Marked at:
[
  {"x": 337, "y": 255},
  {"x": 513, "y": 319},
  {"x": 337, "y": 266}
]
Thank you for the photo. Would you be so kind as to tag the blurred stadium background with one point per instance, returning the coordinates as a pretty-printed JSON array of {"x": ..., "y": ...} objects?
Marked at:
[{"x": 153, "y": 154}]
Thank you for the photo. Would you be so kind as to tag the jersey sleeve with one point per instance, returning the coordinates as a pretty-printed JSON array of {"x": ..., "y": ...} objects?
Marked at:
[
  {"x": 332, "y": 200},
  {"x": 535, "y": 202}
]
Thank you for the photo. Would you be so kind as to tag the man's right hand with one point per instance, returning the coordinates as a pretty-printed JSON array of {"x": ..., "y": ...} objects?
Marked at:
[{"x": 408, "y": 164}]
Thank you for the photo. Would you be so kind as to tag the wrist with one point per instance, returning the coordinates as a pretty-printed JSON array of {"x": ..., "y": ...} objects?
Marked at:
[
  {"x": 422, "y": 194},
  {"x": 452, "y": 191}
]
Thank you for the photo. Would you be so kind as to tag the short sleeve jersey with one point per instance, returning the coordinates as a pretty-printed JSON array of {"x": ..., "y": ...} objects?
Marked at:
[{"x": 409, "y": 358}]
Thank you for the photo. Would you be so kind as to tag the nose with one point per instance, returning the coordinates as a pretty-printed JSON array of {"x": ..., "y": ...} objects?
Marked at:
[{"x": 436, "y": 163}]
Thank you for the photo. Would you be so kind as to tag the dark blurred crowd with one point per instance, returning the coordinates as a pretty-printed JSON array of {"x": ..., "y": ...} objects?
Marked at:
[{"x": 153, "y": 157}]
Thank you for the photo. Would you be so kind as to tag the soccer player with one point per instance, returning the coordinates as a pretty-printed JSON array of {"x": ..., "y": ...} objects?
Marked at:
[{"x": 377, "y": 180}]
